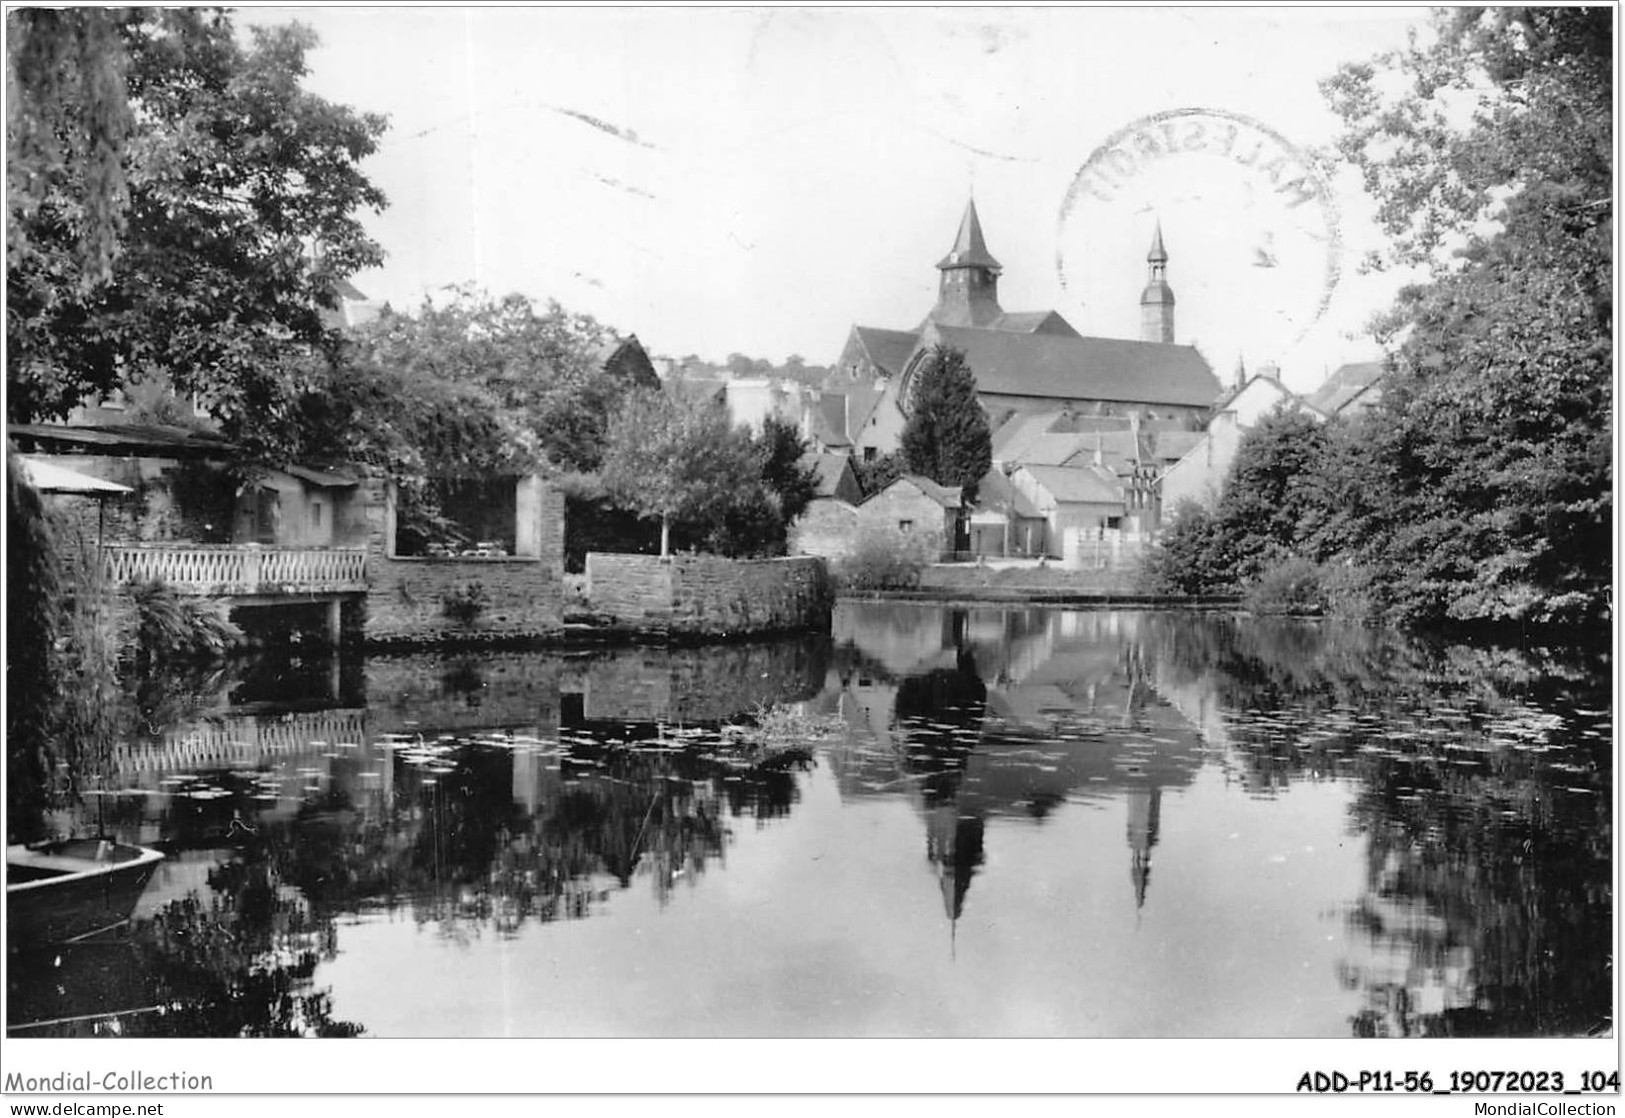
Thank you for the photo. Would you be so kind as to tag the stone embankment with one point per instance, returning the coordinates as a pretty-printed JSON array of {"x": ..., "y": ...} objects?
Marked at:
[
  {"x": 706, "y": 596},
  {"x": 1029, "y": 584}
]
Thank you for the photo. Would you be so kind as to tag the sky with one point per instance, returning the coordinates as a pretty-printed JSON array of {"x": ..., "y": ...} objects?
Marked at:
[{"x": 758, "y": 180}]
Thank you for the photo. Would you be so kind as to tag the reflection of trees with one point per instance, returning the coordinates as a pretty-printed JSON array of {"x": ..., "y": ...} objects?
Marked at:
[
  {"x": 455, "y": 847},
  {"x": 237, "y": 962},
  {"x": 1488, "y": 908},
  {"x": 1484, "y": 792}
]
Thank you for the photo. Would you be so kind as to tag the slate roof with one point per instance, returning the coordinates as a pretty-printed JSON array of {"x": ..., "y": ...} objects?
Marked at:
[
  {"x": 948, "y": 496},
  {"x": 888, "y": 349},
  {"x": 1171, "y": 446},
  {"x": 1079, "y": 421},
  {"x": 123, "y": 438},
  {"x": 626, "y": 358},
  {"x": 1078, "y": 368},
  {"x": 1347, "y": 382},
  {"x": 1077, "y": 484},
  {"x": 1234, "y": 390},
  {"x": 970, "y": 249},
  {"x": 1057, "y": 448},
  {"x": 827, "y": 420},
  {"x": 1033, "y": 322},
  {"x": 1020, "y": 432},
  {"x": 865, "y": 398},
  {"x": 830, "y": 469},
  {"x": 1117, "y": 448},
  {"x": 324, "y": 479},
  {"x": 995, "y": 493}
]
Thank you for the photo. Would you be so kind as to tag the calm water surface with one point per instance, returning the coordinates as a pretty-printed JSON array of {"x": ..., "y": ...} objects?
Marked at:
[{"x": 1007, "y": 823}]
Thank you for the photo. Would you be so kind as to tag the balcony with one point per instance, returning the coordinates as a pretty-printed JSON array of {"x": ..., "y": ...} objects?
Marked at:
[{"x": 221, "y": 570}]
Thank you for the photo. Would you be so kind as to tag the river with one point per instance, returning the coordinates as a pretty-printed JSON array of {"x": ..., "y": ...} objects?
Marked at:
[{"x": 967, "y": 822}]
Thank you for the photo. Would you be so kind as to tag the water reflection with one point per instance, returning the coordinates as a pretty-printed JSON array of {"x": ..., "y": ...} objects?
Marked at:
[{"x": 488, "y": 799}]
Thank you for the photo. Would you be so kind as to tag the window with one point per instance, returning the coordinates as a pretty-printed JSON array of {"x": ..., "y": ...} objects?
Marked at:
[
  {"x": 905, "y": 525},
  {"x": 315, "y": 514},
  {"x": 1114, "y": 522},
  {"x": 869, "y": 453},
  {"x": 476, "y": 518}
]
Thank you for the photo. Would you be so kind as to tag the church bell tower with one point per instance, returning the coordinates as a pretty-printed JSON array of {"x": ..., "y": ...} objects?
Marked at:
[
  {"x": 1157, "y": 300},
  {"x": 968, "y": 293}
]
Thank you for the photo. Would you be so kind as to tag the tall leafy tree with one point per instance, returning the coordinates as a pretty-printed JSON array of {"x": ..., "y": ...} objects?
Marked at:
[
  {"x": 879, "y": 472},
  {"x": 783, "y": 453},
  {"x": 531, "y": 381},
  {"x": 233, "y": 176},
  {"x": 1261, "y": 512},
  {"x": 1490, "y": 462},
  {"x": 675, "y": 454},
  {"x": 67, "y": 117},
  {"x": 946, "y": 437}
]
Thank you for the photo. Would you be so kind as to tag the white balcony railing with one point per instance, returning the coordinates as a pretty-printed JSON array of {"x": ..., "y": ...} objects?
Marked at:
[
  {"x": 242, "y": 740},
  {"x": 238, "y": 568}
]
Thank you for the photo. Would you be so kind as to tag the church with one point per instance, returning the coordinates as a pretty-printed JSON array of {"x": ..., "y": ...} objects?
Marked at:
[{"x": 1024, "y": 362}]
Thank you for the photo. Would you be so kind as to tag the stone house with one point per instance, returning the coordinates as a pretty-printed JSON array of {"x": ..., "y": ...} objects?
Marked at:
[{"x": 919, "y": 506}]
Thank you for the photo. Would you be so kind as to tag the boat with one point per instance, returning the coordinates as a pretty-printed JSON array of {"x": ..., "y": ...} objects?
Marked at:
[{"x": 71, "y": 889}]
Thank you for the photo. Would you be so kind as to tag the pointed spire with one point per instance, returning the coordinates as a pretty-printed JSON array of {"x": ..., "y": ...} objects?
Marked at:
[
  {"x": 1157, "y": 300},
  {"x": 970, "y": 250}
]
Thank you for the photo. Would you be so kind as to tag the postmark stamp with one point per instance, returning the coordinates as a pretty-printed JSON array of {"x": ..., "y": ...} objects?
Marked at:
[{"x": 1252, "y": 221}]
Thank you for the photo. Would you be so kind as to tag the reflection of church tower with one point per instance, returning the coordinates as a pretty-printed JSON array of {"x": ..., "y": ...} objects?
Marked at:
[
  {"x": 953, "y": 842},
  {"x": 1144, "y": 810},
  {"x": 1157, "y": 300},
  {"x": 968, "y": 293}
]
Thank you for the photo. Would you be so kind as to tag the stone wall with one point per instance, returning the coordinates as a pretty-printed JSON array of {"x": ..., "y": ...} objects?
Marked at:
[
  {"x": 695, "y": 683},
  {"x": 431, "y": 693},
  {"x": 827, "y": 528},
  {"x": 706, "y": 595},
  {"x": 521, "y": 597},
  {"x": 897, "y": 505}
]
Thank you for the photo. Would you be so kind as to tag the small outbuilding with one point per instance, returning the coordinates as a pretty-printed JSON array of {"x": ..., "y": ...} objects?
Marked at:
[{"x": 916, "y": 504}]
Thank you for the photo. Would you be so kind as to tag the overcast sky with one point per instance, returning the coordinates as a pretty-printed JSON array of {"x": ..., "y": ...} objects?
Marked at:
[{"x": 758, "y": 180}]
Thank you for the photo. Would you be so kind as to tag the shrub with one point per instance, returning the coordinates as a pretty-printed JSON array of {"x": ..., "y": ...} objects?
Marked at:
[
  {"x": 885, "y": 559},
  {"x": 1185, "y": 559},
  {"x": 1288, "y": 586},
  {"x": 1352, "y": 592},
  {"x": 172, "y": 629}
]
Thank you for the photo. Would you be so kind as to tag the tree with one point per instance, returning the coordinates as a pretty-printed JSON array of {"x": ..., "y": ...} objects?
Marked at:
[
  {"x": 235, "y": 176},
  {"x": 1488, "y": 463},
  {"x": 879, "y": 472},
  {"x": 1535, "y": 85},
  {"x": 529, "y": 385},
  {"x": 674, "y": 453},
  {"x": 62, "y": 714},
  {"x": 784, "y": 471},
  {"x": 946, "y": 437},
  {"x": 67, "y": 117},
  {"x": 1262, "y": 509}
]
